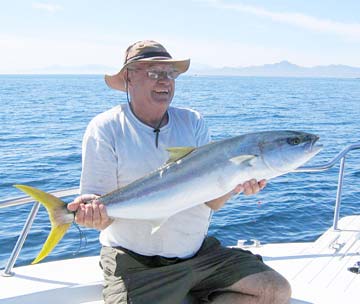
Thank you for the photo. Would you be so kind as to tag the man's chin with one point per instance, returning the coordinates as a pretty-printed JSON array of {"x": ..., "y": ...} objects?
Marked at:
[{"x": 162, "y": 99}]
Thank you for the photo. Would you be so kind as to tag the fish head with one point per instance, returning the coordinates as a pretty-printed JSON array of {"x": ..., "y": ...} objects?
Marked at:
[{"x": 284, "y": 151}]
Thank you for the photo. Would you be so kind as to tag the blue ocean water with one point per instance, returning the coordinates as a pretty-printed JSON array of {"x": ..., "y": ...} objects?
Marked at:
[{"x": 43, "y": 118}]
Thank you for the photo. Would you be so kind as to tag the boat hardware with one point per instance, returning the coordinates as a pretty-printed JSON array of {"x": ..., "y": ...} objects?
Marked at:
[{"x": 356, "y": 268}]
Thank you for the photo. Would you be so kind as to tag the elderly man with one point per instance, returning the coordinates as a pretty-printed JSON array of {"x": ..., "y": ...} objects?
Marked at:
[{"x": 129, "y": 141}]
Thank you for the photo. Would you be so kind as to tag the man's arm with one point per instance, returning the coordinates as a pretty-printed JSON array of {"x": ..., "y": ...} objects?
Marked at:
[{"x": 249, "y": 188}]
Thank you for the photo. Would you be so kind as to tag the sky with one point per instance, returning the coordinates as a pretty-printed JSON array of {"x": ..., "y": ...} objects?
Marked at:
[{"x": 65, "y": 33}]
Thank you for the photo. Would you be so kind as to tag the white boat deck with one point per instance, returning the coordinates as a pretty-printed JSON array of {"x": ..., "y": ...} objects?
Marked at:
[
  {"x": 317, "y": 272},
  {"x": 76, "y": 280}
]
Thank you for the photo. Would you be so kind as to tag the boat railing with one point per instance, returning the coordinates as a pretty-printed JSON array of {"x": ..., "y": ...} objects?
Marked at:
[
  {"x": 339, "y": 157},
  {"x": 7, "y": 272},
  {"x": 73, "y": 191}
]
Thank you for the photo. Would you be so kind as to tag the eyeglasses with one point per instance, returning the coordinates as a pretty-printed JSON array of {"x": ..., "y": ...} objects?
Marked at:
[
  {"x": 162, "y": 74},
  {"x": 154, "y": 74}
]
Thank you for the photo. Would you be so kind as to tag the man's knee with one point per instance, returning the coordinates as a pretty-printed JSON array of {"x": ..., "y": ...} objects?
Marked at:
[
  {"x": 276, "y": 288},
  {"x": 266, "y": 287}
]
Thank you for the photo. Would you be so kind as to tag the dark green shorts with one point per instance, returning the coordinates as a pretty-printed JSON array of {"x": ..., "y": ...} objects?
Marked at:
[{"x": 137, "y": 279}]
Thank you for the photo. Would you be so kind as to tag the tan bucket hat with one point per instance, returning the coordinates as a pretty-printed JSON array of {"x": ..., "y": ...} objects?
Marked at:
[{"x": 144, "y": 51}]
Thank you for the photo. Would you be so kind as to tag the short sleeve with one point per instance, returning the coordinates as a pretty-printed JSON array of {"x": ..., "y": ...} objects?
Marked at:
[
  {"x": 99, "y": 162},
  {"x": 202, "y": 132}
]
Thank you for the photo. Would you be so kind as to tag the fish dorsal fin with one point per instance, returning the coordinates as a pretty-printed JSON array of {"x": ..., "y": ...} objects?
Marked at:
[
  {"x": 177, "y": 153},
  {"x": 241, "y": 159}
]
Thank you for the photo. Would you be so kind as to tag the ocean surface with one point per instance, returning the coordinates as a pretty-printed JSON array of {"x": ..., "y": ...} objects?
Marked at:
[{"x": 43, "y": 118}]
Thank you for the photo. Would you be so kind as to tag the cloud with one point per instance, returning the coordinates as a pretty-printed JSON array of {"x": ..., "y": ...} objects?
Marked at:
[
  {"x": 51, "y": 8},
  {"x": 346, "y": 30}
]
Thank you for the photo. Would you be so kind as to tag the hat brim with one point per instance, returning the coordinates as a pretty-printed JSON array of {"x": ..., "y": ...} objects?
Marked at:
[{"x": 117, "y": 81}]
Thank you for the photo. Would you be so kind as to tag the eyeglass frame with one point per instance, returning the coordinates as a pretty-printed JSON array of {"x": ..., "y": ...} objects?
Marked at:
[{"x": 156, "y": 74}]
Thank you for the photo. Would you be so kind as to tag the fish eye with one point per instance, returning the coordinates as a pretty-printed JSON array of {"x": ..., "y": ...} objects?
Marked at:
[{"x": 294, "y": 141}]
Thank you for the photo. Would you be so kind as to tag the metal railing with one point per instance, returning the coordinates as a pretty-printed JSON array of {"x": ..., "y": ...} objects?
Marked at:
[
  {"x": 341, "y": 156},
  {"x": 73, "y": 191},
  {"x": 7, "y": 272}
]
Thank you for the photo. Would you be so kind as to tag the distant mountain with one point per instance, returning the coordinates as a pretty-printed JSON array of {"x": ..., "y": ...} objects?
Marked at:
[{"x": 280, "y": 69}]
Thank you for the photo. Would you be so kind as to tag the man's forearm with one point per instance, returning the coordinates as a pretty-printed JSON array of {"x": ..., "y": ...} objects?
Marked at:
[
  {"x": 217, "y": 203},
  {"x": 249, "y": 188}
]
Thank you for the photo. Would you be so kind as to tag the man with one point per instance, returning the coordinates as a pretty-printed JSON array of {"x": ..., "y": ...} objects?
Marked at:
[{"x": 129, "y": 141}]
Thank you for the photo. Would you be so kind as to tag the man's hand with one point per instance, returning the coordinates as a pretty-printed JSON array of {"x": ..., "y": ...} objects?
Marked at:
[
  {"x": 89, "y": 212},
  {"x": 250, "y": 187}
]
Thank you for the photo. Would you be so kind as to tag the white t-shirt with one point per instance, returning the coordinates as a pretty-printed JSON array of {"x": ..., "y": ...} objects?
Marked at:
[{"x": 118, "y": 149}]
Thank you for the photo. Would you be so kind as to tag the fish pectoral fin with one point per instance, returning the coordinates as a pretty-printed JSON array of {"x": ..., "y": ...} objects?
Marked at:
[
  {"x": 177, "y": 153},
  {"x": 243, "y": 159},
  {"x": 156, "y": 224}
]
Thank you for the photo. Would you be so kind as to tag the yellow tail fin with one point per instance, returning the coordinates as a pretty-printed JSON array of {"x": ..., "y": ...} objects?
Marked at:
[{"x": 59, "y": 216}]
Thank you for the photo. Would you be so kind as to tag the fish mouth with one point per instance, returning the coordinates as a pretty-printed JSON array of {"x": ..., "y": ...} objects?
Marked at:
[{"x": 313, "y": 146}]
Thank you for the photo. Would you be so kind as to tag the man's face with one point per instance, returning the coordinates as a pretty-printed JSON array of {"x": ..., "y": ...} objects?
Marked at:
[{"x": 153, "y": 83}]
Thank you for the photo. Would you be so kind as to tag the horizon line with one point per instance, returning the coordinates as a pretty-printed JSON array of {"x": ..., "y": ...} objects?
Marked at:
[{"x": 192, "y": 65}]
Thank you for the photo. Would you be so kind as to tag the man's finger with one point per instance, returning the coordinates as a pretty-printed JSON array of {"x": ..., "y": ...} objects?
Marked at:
[
  {"x": 80, "y": 215},
  {"x": 82, "y": 199},
  {"x": 88, "y": 215},
  {"x": 262, "y": 184},
  {"x": 238, "y": 189},
  {"x": 251, "y": 187},
  {"x": 96, "y": 215},
  {"x": 255, "y": 187}
]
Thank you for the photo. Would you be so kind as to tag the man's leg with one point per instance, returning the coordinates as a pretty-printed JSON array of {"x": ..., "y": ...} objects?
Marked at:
[
  {"x": 136, "y": 279},
  {"x": 267, "y": 287},
  {"x": 232, "y": 275}
]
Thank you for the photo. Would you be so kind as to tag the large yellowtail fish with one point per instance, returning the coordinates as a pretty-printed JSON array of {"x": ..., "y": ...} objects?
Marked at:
[{"x": 192, "y": 176}]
